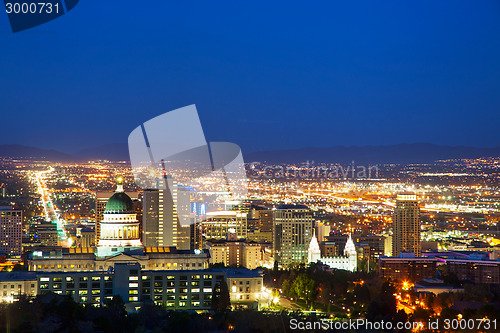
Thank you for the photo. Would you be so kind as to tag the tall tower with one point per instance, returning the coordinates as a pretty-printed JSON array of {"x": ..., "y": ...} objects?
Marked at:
[
  {"x": 10, "y": 231},
  {"x": 159, "y": 220},
  {"x": 119, "y": 226},
  {"x": 292, "y": 233},
  {"x": 406, "y": 225}
]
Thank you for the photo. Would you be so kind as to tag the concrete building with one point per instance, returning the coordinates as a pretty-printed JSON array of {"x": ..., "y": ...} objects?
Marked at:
[
  {"x": 333, "y": 245},
  {"x": 186, "y": 219},
  {"x": 406, "y": 225},
  {"x": 11, "y": 224},
  {"x": 260, "y": 236},
  {"x": 370, "y": 247},
  {"x": 83, "y": 259},
  {"x": 85, "y": 237},
  {"x": 322, "y": 231},
  {"x": 263, "y": 218},
  {"x": 408, "y": 268},
  {"x": 478, "y": 271},
  {"x": 234, "y": 253},
  {"x": 14, "y": 284},
  {"x": 160, "y": 221},
  {"x": 292, "y": 233},
  {"x": 175, "y": 290},
  {"x": 219, "y": 223},
  {"x": 47, "y": 234}
]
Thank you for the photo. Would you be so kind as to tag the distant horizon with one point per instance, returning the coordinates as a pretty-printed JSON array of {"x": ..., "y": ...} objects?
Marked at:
[{"x": 79, "y": 149}]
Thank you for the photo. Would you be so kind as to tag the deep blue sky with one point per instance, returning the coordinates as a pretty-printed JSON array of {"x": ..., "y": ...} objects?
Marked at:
[{"x": 263, "y": 74}]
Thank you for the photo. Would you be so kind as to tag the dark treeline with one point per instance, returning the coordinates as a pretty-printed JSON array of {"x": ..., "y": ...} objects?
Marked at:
[{"x": 60, "y": 313}]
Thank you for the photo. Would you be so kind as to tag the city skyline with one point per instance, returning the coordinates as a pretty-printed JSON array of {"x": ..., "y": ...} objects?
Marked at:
[{"x": 250, "y": 167}]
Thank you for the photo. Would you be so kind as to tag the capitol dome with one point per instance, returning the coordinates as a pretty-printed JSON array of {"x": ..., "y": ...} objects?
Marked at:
[{"x": 120, "y": 202}]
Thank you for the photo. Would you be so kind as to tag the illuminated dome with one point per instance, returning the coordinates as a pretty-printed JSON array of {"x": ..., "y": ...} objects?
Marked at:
[
  {"x": 119, "y": 228},
  {"x": 119, "y": 203}
]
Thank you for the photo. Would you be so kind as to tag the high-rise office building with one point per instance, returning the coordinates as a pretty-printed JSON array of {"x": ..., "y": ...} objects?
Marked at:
[
  {"x": 100, "y": 205},
  {"x": 406, "y": 225},
  {"x": 11, "y": 222},
  {"x": 292, "y": 233},
  {"x": 186, "y": 219},
  {"x": 159, "y": 220}
]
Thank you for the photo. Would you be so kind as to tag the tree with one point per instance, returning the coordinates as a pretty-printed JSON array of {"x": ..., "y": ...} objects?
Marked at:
[
  {"x": 216, "y": 265},
  {"x": 384, "y": 304},
  {"x": 220, "y": 297},
  {"x": 362, "y": 294},
  {"x": 303, "y": 286},
  {"x": 276, "y": 267},
  {"x": 116, "y": 304},
  {"x": 285, "y": 287},
  {"x": 19, "y": 268}
]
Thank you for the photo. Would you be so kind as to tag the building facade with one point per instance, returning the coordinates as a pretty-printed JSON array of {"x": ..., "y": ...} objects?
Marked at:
[
  {"x": 79, "y": 260},
  {"x": 406, "y": 225},
  {"x": 475, "y": 270},
  {"x": 11, "y": 224},
  {"x": 15, "y": 284},
  {"x": 100, "y": 204},
  {"x": 219, "y": 223},
  {"x": 348, "y": 262},
  {"x": 234, "y": 253},
  {"x": 160, "y": 220},
  {"x": 407, "y": 268},
  {"x": 292, "y": 233},
  {"x": 119, "y": 228},
  {"x": 175, "y": 290}
]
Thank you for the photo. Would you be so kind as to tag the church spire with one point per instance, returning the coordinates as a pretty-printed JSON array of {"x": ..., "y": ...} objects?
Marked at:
[
  {"x": 349, "y": 247},
  {"x": 313, "y": 252}
]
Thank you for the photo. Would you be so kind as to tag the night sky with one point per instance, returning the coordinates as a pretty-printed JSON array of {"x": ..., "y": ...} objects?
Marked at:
[{"x": 263, "y": 74}]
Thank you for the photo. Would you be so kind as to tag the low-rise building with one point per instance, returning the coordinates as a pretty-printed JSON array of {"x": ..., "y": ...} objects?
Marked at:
[
  {"x": 234, "y": 253},
  {"x": 407, "y": 268},
  {"x": 176, "y": 290},
  {"x": 435, "y": 286},
  {"x": 14, "y": 284},
  {"x": 84, "y": 259},
  {"x": 475, "y": 270}
]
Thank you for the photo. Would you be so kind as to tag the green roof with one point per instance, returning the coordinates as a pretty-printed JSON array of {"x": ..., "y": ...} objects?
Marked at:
[{"x": 119, "y": 203}]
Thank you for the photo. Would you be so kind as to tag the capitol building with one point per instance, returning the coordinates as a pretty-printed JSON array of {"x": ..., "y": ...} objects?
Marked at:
[{"x": 119, "y": 242}]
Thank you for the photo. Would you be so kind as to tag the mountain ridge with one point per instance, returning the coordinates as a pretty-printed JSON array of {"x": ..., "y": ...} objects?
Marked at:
[{"x": 404, "y": 153}]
